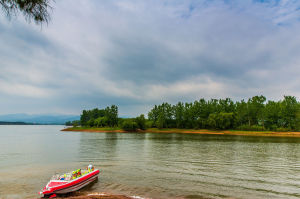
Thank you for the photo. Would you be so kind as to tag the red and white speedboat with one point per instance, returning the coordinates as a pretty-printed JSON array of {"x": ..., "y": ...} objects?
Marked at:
[{"x": 69, "y": 182}]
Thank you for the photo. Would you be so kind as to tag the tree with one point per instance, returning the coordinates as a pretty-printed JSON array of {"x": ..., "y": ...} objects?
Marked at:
[
  {"x": 226, "y": 105},
  {"x": 202, "y": 113},
  {"x": 188, "y": 116},
  {"x": 153, "y": 115},
  {"x": 212, "y": 120},
  {"x": 255, "y": 107},
  {"x": 162, "y": 115},
  {"x": 289, "y": 108},
  {"x": 242, "y": 113},
  {"x": 141, "y": 122},
  {"x": 178, "y": 114},
  {"x": 101, "y": 121},
  {"x": 129, "y": 125},
  {"x": 168, "y": 112},
  {"x": 37, "y": 10},
  {"x": 76, "y": 123},
  {"x": 221, "y": 120},
  {"x": 109, "y": 117},
  {"x": 84, "y": 117},
  {"x": 253, "y": 114},
  {"x": 112, "y": 115},
  {"x": 91, "y": 122},
  {"x": 225, "y": 120},
  {"x": 161, "y": 121},
  {"x": 272, "y": 115}
]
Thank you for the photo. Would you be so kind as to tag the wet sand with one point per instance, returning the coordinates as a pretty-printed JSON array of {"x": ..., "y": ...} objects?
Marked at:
[
  {"x": 78, "y": 195},
  {"x": 96, "y": 196}
]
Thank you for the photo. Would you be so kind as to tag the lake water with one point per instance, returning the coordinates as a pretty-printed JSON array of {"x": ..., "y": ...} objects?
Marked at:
[{"x": 149, "y": 165}]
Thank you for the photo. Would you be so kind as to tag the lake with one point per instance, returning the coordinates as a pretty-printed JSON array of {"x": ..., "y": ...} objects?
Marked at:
[{"x": 151, "y": 165}]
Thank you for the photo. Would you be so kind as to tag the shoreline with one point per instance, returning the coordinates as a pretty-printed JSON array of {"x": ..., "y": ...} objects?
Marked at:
[
  {"x": 97, "y": 196},
  {"x": 188, "y": 131}
]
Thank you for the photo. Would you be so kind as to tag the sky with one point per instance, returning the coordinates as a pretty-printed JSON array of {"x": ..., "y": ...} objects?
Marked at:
[{"x": 135, "y": 54}]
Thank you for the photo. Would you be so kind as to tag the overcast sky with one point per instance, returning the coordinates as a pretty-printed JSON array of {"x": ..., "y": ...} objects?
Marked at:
[{"x": 139, "y": 53}]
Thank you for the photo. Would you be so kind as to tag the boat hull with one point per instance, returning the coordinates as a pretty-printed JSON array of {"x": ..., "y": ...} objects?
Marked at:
[{"x": 71, "y": 186}]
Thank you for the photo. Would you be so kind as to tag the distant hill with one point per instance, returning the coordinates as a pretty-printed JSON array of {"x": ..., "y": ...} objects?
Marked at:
[
  {"x": 14, "y": 123},
  {"x": 38, "y": 119}
]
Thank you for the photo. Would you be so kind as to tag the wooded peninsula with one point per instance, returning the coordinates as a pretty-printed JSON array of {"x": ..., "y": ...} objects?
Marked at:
[{"x": 255, "y": 114}]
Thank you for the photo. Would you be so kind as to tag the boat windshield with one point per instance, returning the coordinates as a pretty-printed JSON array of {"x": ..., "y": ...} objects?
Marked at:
[
  {"x": 70, "y": 176},
  {"x": 64, "y": 177}
]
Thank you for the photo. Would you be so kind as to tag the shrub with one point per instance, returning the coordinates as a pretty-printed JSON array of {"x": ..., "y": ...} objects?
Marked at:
[
  {"x": 101, "y": 121},
  {"x": 220, "y": 120},
  {"x": 149, "y": 124},
  {"x": 120, "y": 122},
  {"x": 282, "y": 129},
  {"x": 141, "y": 122},
  {"x": 76, "y": 123},
  {"x": 251, "y": 128},
  {"x": 201, "y": 123},
  {"x": 91, "y": 122},
  {"x": 211, "y": 122},
  {"x": 128, "y": 125},
  {"x": 273, "y": 127}
]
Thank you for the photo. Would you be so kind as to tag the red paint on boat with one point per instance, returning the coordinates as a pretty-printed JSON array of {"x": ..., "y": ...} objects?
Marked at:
[
  {"x": 60, "y": 186},
  {"x": 53, "y": 196}
]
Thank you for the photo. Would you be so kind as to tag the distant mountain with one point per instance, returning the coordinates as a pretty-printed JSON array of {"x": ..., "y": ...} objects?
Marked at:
[
  {"x": 15, "y": 123},
  {"x": 40, "y": 119}
]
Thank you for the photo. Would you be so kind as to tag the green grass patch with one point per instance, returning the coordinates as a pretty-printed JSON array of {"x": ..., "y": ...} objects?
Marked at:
[{"x": 95, "y": 128}]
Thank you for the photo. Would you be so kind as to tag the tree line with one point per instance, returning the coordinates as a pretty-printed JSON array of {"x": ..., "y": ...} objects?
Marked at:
[
  {"x": 100, "y": 117},
  {"x": 255, "y": 114},
  {"x": 108, "y": 117}
]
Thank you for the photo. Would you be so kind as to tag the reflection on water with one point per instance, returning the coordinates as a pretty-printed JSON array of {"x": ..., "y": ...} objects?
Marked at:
[{"x": 151, "y": 165}]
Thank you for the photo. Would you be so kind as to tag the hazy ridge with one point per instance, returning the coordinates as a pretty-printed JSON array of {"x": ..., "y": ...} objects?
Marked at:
[{"x": 38, "y": 118}]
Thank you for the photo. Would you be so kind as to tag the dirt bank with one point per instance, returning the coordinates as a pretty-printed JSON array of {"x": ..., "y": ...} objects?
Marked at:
[
  {"x": 98, "y": 197},
  {"x": 189, "y": 131}
]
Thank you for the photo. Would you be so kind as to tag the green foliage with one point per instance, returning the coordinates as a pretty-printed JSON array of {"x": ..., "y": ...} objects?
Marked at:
[
  {"x": 250, "y": 128},
  {"x": 161, "y": 121},
  {"x": 68, "y": 123},
  {"x": 101, "y": 122},
  {"x": 220, "y": 120},
  {"x": 37, "y": 10},
  {"x": 178, "y": 114},
  {"x": 253, "y": 114},
  {"x": 255, "y": 107},
  {"x": 162, "y": 115},
  {"x": 100, "y": 117},
  {"x": 272, "y": 113},
  {"x": 212, "y": 121},
  {"x": 112, "y": 115},
  {"x": 289, "y": 110},
  {"x": 120, "y": 121},
  {"x": 129, "y": 125},
  {"x": 141, "y": 122},
  {"x": 282, "y": 129},
  {"x": 91, "y": 122},
  {"x": 74, "y": 123},
  {"x": 149, "y": 124}
]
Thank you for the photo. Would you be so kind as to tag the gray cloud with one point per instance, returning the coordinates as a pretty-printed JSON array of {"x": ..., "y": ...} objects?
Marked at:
[{"x": 139, "y": 53}]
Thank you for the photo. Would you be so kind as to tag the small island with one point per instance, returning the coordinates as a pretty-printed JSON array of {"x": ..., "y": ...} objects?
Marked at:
[{"x": 254, "y": 117}]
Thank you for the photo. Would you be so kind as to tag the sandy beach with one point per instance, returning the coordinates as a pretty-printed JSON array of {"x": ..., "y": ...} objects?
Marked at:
[{"x": 188, "y": 131}]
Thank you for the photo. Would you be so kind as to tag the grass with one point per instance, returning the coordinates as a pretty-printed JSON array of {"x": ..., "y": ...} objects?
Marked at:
[{"x": 93, "y": 128}]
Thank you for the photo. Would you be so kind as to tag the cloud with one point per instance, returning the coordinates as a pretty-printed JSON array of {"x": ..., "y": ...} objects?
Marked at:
[{"x": 139, "y": 53}]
